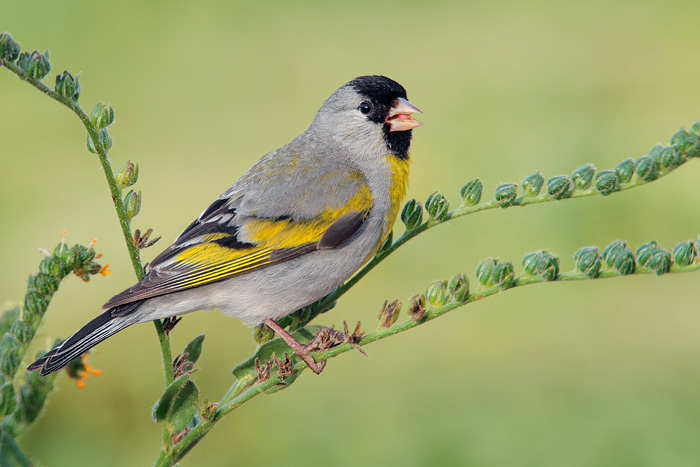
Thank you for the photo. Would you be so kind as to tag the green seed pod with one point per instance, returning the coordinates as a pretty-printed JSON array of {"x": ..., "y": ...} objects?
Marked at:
[
  {"x": 588, "y": 261},
  {"x": 612, "y": 250},
  {"x": 389, "y": 314},
  {"x": 560, "y": 187},
  {"x": 127, "y": 175},
  {"x": 437, "y": 294},
  {"x": 660, "y": 261},
  {"x": 647, "y": 168},
  {"x": 684, "y": 253},
  {"x": 417, "y": 307},
  {"x": 437, "y": 206},
  {"x": 132, "y": 204},
  {"x": 530, "y": 261},
  {"x": 655, "y": 153},
  {"x": 506, "y": 194},
  {"x": 503, "y": 275},
  {"x": 681, "y": 140},
  {"x": 583, "y": 176},
  {"x": 485, "y": 270},
  {"x": 459, "y": 288},
  {"x": 645, "y": 251},
  {"x": 7, "y": 399},
  {"x": 102, "y": 115},
  {"x": 624, "y": 262},
  {"x": 533, "y": 184},
  {"x": 607, "y": 182},
  {"x": 670, "y": 159},
  {"x": 68, "y": 86},
  {"x": 548, "y": 266},
  {"x": 38, "y": 65},
  {"x": 9, "y": 49},
  {"x": 625, "y": 170},
  {"x": 412, "y": 214},
  {"x": 263, "y": 333},
  {"x": 471, "y": 192}
]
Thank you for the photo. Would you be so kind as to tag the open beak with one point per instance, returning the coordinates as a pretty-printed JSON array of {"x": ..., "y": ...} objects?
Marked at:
[{"x": 399, "y": 118}]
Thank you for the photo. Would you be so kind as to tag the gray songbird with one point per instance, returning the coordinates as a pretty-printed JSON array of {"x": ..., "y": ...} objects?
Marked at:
[{"x": 296, "y": 225}]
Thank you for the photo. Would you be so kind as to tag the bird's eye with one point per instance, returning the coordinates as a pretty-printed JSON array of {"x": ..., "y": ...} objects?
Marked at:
[{"x": 365, "y": 108}]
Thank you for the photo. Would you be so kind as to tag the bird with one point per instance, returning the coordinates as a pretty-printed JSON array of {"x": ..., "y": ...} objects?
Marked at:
[{"x": 296, "y": 225}]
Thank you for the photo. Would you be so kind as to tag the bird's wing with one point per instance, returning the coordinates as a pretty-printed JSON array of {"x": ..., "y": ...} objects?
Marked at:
[{"x": 246, "y": 229}]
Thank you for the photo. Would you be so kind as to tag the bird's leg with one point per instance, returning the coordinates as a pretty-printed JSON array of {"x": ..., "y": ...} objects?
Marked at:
[{"x": 301, "y": 350}]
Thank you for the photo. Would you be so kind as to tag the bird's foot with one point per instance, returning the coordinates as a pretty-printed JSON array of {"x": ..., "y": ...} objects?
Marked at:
[{"x": 326, "y": 338}]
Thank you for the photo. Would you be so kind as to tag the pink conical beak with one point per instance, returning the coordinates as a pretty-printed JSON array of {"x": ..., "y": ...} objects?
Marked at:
[{"x": 399, "y": 118}]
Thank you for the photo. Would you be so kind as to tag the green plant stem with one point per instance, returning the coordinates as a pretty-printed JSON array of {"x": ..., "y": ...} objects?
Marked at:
[
  {"x": 244, "y": 390},
  {"x": 163, "y": 338},
  {"x": 324, "y": 304}
]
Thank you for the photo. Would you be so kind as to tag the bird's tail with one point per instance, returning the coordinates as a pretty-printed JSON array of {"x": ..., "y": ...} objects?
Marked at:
[{"x": 87, "y": 337}]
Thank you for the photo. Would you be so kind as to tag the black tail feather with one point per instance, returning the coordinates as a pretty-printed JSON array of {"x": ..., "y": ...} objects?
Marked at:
[{"x": 88, "y": 336}]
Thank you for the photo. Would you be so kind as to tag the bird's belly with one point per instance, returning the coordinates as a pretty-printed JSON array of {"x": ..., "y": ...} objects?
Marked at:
[{"x": 274, "y": 291}]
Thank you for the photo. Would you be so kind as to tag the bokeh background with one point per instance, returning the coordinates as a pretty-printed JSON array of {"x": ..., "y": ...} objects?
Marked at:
[{"x": 576, "y": 374}]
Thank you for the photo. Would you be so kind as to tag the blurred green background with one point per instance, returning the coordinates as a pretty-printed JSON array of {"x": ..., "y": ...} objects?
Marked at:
[{"x": 577, "y": 374}]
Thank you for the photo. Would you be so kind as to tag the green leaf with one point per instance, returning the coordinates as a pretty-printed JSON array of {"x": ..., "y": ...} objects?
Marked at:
[
  {"x": 178, "y": 404},
  {"x": 279, "y": 347},
  {"x": 194, "y": 348},
  {"x": 10, "y": 454}
]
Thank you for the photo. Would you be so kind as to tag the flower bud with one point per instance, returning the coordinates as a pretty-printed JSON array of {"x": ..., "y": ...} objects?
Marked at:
[
  {"x": 102, "y": 115},
  {"x": 416, "y": 309},
  {"x": 437, "y": 206},
  {"x": 560, "y": 187},
  {"x": 655, "y": 153},
  {"x": 412, "y": 214},
  {"x": 660, "y": 261},
  {"x": 389, "y": 314},
  {"x": 670, "y": 159},
  {"x": 583, "y": 176},
  {"x": 647, "y": 168},
  {"x": 459, "y": 288},
  {"x": 38, "y": 65},
  {"x": 105, "y": 139},
  {"x": 132, "y": 204},
  {"x": 645, "y": 251},
  {"x": 533, "y": 184},
  {"x": 612, "y": 250},
  {"x": 387, "y": 242},
  {"x": 263, "y": 334},
  {"x": 22, "y": 331},
  {"x": 624, "y": 262},
  {"x": 437, "y": 294},
  {"x": 695, "y": 129},
  {"x": 127, "y": 175},
  {"x": 684, "y": 253},
  {"x": 503, "y": 275},
  {"x": 588, "y": 261},
  {"x": 485, "y": 270},
  {"x": 530, "y": 262},
  {"x": 681, "y": 140},
  {"x": 625, "y": 170},
  {"x": 68, "y": 86},
  {"x": 548, "y": 266},
  {"x": 471, "y": 192},
  {"x": 607, "y": 182},
  {"x": 7, "y": 399},
  {"x": 9, "y": 49},
  {"x": 9, "y": 359},
  {"x": 506, "y": 194}
]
